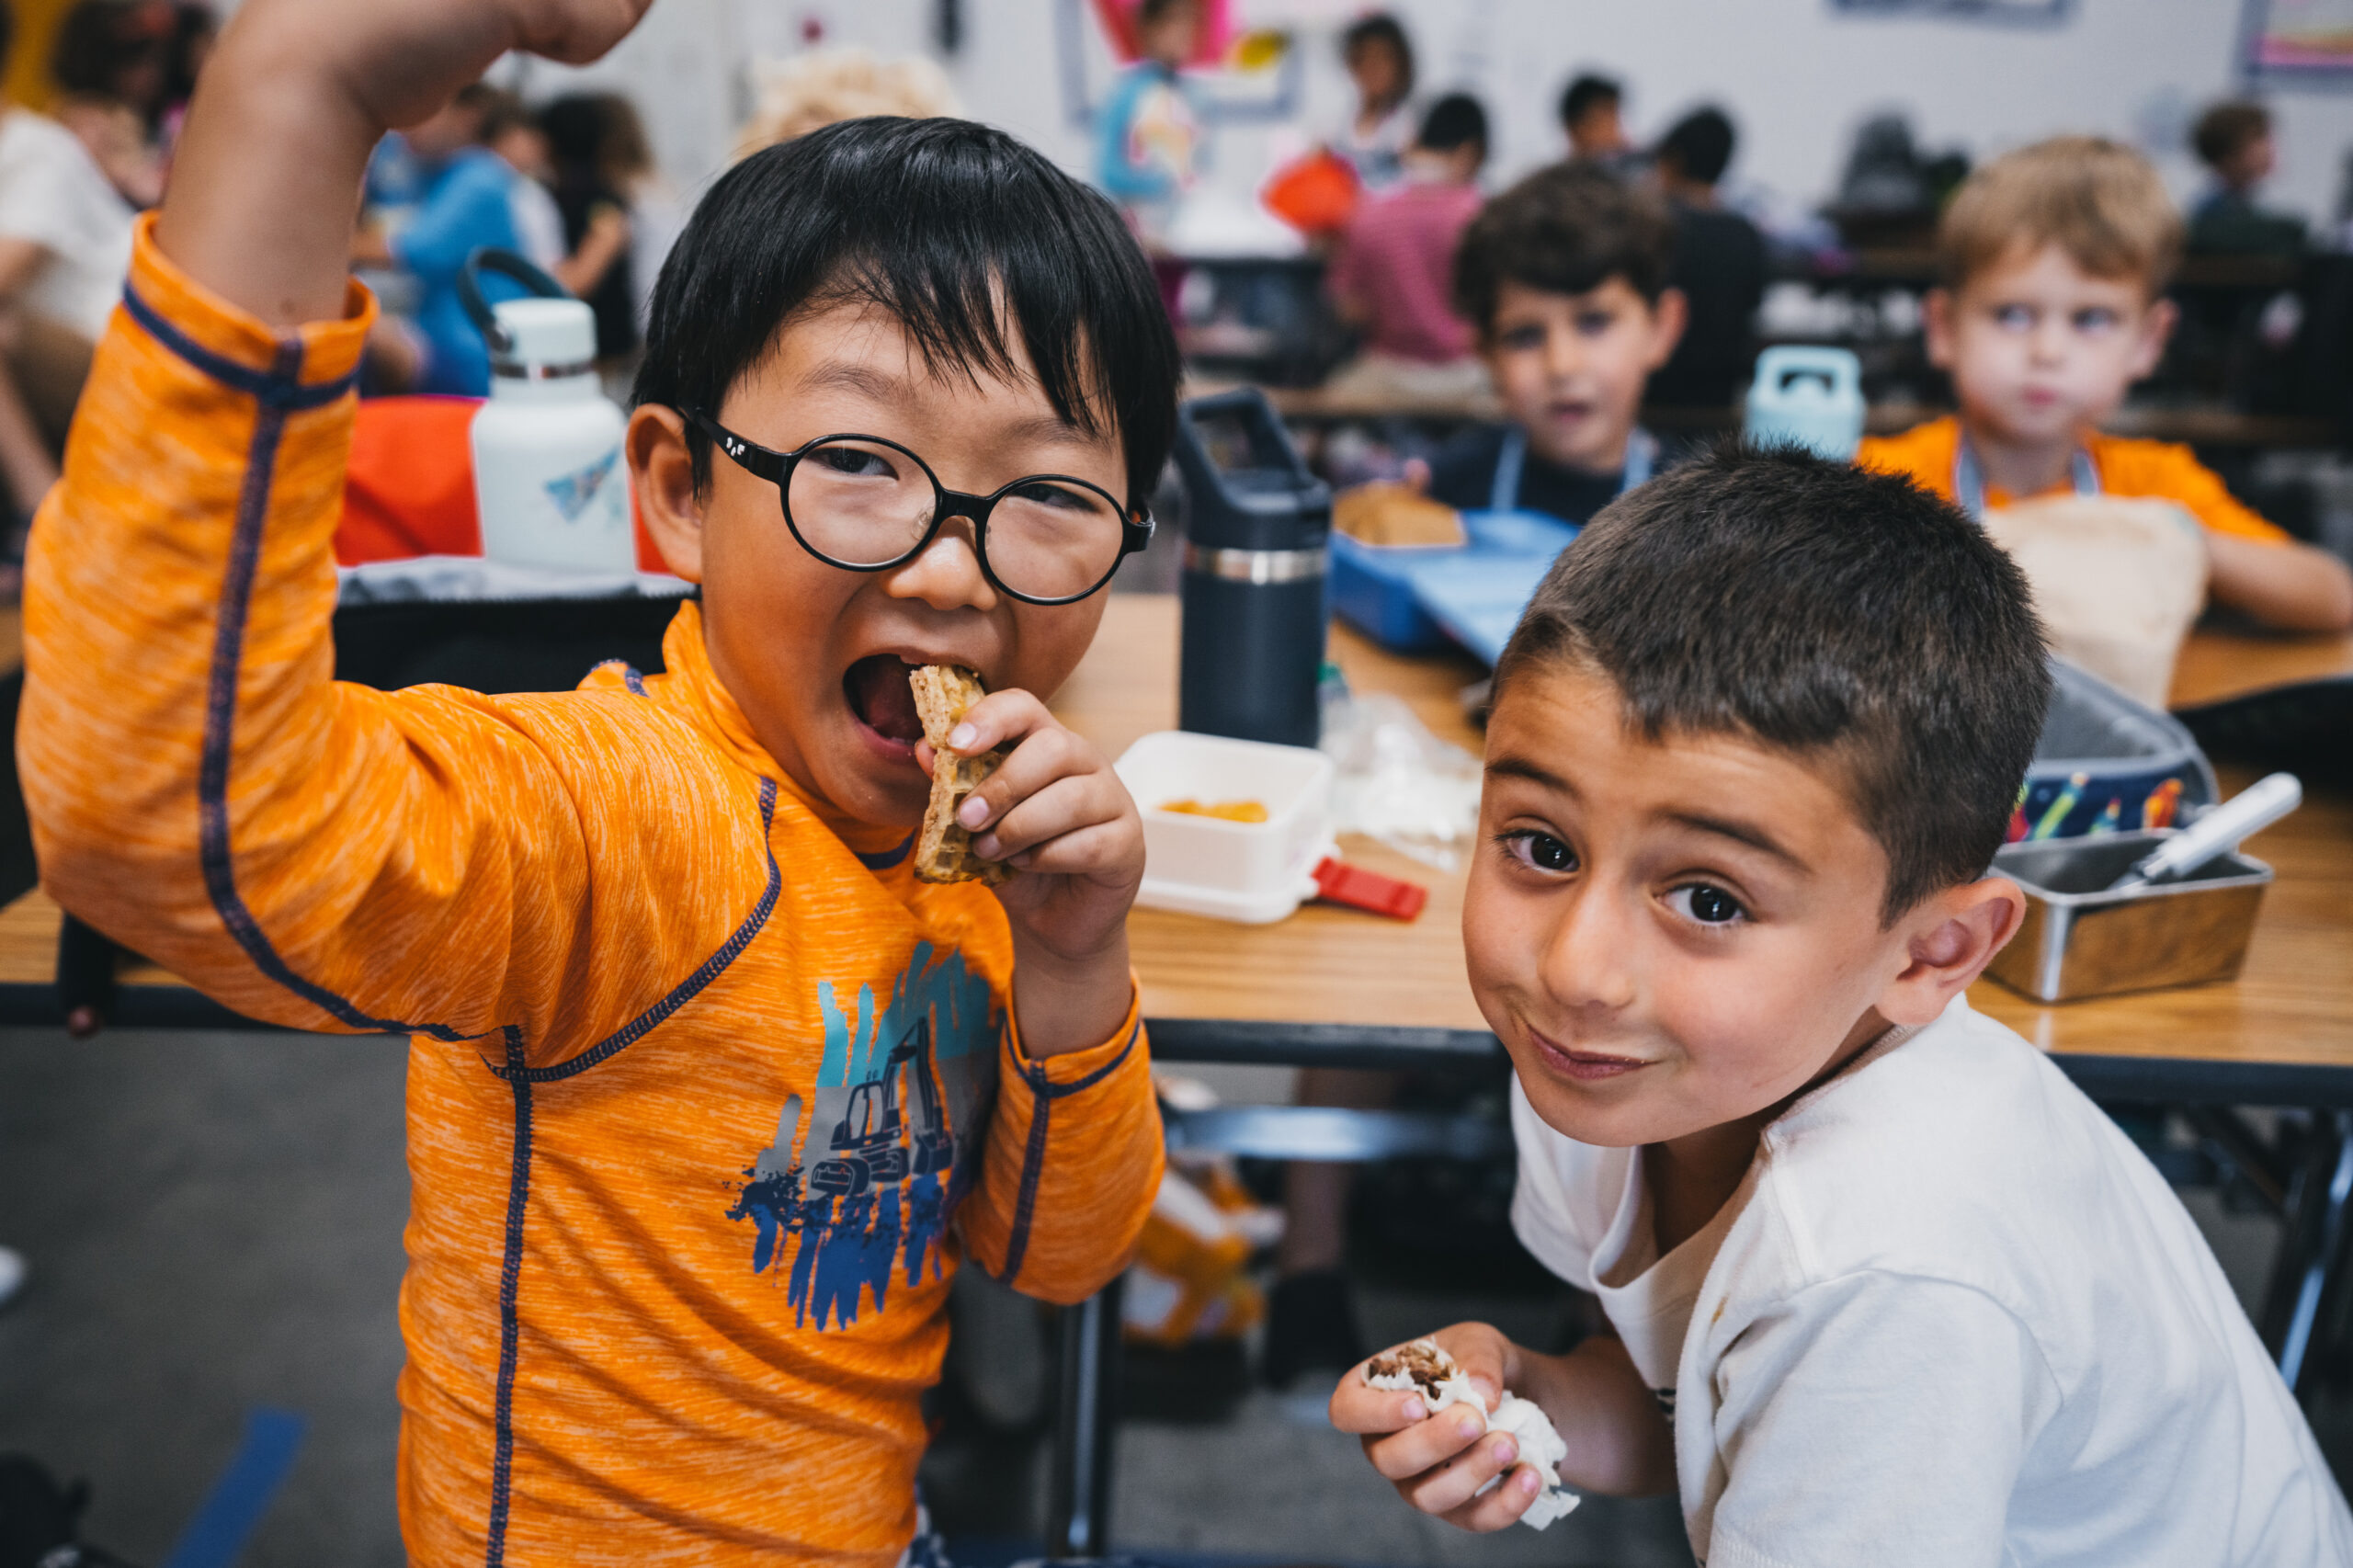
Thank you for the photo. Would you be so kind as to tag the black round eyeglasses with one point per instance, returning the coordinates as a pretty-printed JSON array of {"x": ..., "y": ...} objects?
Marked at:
[{"x": 865, "y": 503}]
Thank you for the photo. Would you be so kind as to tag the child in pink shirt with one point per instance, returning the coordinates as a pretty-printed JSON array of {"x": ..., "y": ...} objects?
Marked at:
[{"x": 1393, "y": 276}]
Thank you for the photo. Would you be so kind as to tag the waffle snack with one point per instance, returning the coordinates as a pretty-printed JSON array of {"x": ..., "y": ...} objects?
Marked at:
[
  {"x": 944, "y": 848},
  {"x": 1426, "y": 1368}
]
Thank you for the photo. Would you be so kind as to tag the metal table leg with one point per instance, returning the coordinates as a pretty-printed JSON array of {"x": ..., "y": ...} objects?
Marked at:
[
  {"x": 2312, "y": 1248},
  {"x": 1078, "y": 1520}
]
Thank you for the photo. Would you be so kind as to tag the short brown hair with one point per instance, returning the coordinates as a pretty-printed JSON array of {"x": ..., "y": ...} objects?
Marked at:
[
  {"x": 2101, "y": 202},
  {"x": 1847, "y": 618},
  {"x": 1565, "y": 230},
  {"x": 2225, "y": 130}
]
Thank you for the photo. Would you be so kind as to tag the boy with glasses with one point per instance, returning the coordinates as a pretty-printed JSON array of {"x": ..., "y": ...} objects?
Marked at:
[{"x": 708, "y": 1097}]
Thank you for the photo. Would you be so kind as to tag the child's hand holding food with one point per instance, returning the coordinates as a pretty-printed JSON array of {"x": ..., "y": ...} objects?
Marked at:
[
  {"x": 1438, "y": 1424},
  {"x": 1053, "y": 811}
]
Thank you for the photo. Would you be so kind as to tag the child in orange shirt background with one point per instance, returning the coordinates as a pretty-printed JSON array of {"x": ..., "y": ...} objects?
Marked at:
[
  {"x": 707, "y": 1097},
  {"x": 2055, "y": 258}
]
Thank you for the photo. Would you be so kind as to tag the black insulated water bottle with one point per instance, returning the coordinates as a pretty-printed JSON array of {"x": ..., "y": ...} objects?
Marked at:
[{"x": 1257, "y": 531}]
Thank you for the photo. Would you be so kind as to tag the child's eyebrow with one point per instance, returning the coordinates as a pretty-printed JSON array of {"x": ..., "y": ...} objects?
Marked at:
[
  {"x": 1739, "y": 832},
  {"x": 1520, "y": 767},
  {"x": 882, "y": 386}
]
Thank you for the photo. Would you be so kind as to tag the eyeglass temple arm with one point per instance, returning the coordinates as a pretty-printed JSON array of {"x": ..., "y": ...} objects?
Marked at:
[{"x": 767, "y": 463}]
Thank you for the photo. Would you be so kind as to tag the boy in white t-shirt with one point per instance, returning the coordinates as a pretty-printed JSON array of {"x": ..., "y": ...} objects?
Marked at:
[{"x": 1885, "y": 1287}]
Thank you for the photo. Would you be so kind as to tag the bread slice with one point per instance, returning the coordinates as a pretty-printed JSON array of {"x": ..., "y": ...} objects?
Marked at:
[
  {"x": 1395, "y": 514},
  {"x": 943, "y": 849}
]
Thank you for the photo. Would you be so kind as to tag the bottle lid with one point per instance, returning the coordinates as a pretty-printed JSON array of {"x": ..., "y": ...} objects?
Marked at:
[{"x": 546, "y": 337}]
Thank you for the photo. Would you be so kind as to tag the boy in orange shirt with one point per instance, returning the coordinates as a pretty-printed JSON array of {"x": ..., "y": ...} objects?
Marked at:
[
  {"x": 708, "y": 1097},
  {"x": 2055, "y": 260}
]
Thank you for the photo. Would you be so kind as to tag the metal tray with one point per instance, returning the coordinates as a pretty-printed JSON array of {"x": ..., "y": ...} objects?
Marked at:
[{"x": 2079, "y": 940}]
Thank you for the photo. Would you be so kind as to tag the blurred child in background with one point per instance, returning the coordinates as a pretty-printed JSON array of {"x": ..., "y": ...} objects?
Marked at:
[
  {"x": 1393, "y": 274},
  {"x": 1564, "y": 278},
  {"x": 469, "y": 195},
  {"x": 2055, "y": 258},
  {"x": 2233, "y": 141},
  {"x": 1148, "y": 134},
  {"x": 124, "y": 70},
  {"x": 808, "y": 92},
  {"x": 1379, "y": 58},
  {"x": 65, "y": 245},
  {"x": 597, "y": 157},
  {"x": 1592, "y": 117},
  {"x": 1719, "y": 268}
]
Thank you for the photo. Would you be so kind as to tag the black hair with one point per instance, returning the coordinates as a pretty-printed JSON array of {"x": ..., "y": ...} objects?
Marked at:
[
  {"x": 958, "y": 229},
  {"x": 7, "y": 31},
  {"x": 1566, "y": 228},
  {"x": 1455, "y": 121},
  {"x": 1152, "y": 12},
  {"x": 502, "y": 111},
  {"x": 1588, "y": 91},
  {"x": 1815, "y": 608},
  {"x": 2225, "y": 129},
  {"x": 97, "y": 42},
  {"x": 1381, "y": 27},
  {"x": 1700, "y": 145}
]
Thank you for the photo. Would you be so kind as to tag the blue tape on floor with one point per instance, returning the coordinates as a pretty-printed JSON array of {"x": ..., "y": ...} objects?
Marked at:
[{"x": 218, "y": 1532}]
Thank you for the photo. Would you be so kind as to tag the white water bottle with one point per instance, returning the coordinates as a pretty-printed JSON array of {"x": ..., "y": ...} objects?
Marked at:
[{"x": 548, "y": 478}]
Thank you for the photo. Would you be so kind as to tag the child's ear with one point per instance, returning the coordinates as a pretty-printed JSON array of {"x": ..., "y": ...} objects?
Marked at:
[
  {"x": 662, "y": 473},
  {"x": 1936, "y": 324},
  {"x": 2156, "y": 328},
  {"x": 1949, "y": 942},
  {"x": 1668, "y": 318}
]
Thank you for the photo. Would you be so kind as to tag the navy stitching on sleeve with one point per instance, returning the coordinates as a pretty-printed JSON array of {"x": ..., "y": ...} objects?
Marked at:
[
  {"x": 710, "y": 969},
  {"x": 1033, "y": 1171},
  {"x": 220, "y": 720},
  {"x": 279, "y": 387},
  {"x": 510, "y": 1274},
  {"x": 1057, "y": 1091},
  {"x": 1043, "y": 1092}
]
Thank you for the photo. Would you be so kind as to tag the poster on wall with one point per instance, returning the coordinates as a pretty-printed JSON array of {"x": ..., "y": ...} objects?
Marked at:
[
  {"x": 2027, "y": 13},
  {"x": 2299, "y": 39}
]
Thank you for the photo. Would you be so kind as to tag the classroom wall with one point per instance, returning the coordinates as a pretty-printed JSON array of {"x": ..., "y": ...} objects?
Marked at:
[{"x": 1797, "y": 75}]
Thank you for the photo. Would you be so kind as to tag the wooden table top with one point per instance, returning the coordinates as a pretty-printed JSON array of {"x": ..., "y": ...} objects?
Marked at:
[{"x": 1338, "y": 967}]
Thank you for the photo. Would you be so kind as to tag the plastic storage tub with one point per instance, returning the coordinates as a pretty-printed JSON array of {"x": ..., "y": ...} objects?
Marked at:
[
  {"x": 2107, "y": 763},
  {"x": 1252, "y": 873},
  {"x": 1379, "y": 588}
]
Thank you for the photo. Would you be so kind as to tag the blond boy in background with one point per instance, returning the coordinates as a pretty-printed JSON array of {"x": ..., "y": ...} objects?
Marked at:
[{"x": 2055, "y": 258}]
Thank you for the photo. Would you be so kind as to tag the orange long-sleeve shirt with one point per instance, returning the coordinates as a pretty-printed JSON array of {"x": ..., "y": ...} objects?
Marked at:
[{"x": 707, "y": 1096}]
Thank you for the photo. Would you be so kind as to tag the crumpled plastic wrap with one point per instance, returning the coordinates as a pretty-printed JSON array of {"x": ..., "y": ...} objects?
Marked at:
[
  {"x": 1426, "y": 1368},
  {"x": 1398, "y": 783}
]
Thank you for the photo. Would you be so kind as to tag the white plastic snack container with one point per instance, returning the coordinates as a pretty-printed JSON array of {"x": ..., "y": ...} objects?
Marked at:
[
  {"x": 549, "y": 478},
  {"x": 1253, "y": 872}
]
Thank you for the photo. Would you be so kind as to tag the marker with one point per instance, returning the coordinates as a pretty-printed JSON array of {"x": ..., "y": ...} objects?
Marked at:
[{"x": 2218, "y": 832}]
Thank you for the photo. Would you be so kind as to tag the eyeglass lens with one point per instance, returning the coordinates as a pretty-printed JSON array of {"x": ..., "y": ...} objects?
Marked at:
[{"x": 864, "y": 504}]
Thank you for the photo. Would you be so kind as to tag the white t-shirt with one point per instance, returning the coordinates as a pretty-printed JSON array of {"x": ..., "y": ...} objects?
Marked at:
[
  {"x": 1952, "y": 1316},
  {"x": 54, "y": 193},
  {"x": 538, "y": 222}
]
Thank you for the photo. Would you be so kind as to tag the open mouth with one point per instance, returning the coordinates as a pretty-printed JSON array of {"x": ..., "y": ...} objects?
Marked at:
[{"x": 880, "y": 699}]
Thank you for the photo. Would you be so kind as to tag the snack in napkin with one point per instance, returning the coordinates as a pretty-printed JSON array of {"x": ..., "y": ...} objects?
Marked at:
[
  {"x": 1425, "y": 1367},
  {"x": 943, "y": 849}
]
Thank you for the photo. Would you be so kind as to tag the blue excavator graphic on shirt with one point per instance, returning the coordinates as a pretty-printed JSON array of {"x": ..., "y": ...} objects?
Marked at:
[
  {"x": 869, "y": 1162},
  {"x": 872, "y": 1145}
]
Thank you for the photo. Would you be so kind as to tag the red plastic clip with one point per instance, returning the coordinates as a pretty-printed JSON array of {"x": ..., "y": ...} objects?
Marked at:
[{"x": 1338, "y": 882}]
